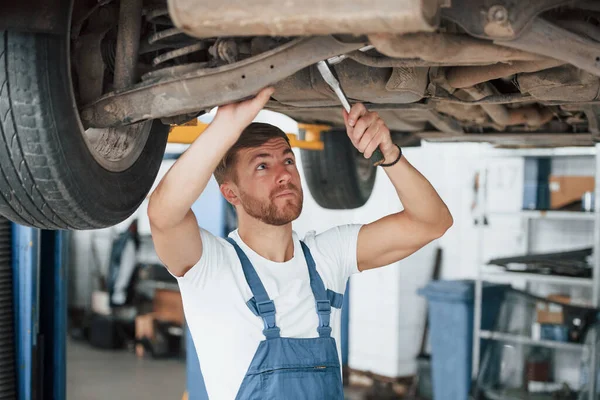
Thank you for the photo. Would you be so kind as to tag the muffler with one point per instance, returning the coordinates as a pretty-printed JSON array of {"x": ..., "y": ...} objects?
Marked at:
[{"x": 202, "y": 19}]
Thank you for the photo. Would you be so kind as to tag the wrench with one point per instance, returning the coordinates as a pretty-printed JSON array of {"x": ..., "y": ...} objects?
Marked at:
[{"x": 377, "y": 157}]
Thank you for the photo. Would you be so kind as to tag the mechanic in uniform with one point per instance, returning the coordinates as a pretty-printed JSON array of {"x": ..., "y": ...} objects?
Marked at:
[{"x": 262, "y": 305}]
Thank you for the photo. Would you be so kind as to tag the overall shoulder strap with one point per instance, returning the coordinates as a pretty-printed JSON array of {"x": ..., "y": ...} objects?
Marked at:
[
  {"x": 265, "y": 307},
  {"x": 318, "y": 289}
]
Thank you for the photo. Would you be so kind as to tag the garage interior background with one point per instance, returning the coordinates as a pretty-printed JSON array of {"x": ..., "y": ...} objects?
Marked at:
[{"x": 387, "y": 315}]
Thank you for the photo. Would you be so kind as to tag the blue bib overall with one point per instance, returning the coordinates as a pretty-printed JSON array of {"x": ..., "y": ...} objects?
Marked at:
[{"x": 290, "y": 368}]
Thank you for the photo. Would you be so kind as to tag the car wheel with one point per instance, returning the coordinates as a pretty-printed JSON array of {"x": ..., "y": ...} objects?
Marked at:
[
  {"x": 54, "y": 174},
  {"x": 338, "y": 177}
]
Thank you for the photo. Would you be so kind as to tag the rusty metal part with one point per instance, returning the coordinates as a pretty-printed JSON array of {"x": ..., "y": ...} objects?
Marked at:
[
  {"x": 509, "y": 98},
  {"x": 360, "y": 83},
  {"x": 530, "y": 115},
  {"x": 503, "y": 116},
  {"x": 173, "y": 72},
  {"x": 164, "y": 34},
  {"x": 550, "y": 40},
  {"x": 446, "y": 48},
  {"x": 566, "y": 84},
  {"x": 489, "y": 19},
  {"x": 295, "y": 18},
  {"x": 516, "y": 140},
  {"x": 207, "y": 88},
  {"x": 225, "y": 49},
  {"x": 192, "y": 48},
  {"x": 466, "y": 114},
  {"x": 385, "y": 62},
  {"x": 592, "y": 113},
  {"x": 128, "y": 42},
  {"x": 498, "y": 113},
  {"x": 90, "y": 65},
  {"x": 406, "y": 117},
  {"x": 462, "y": 77},
  {"x": 389, "y": 62}
]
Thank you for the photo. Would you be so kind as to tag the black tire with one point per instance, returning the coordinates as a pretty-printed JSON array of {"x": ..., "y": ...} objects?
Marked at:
[
  {"x": 49, "y": 177},
  {"x": 338, "y": 177}
]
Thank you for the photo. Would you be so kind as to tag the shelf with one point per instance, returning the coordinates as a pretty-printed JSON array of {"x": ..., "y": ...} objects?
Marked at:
[
  {"x": 515, "y": 394},
  {"x": 510, "y": 338},
  {"x": 552, "y": 152},
  {"x": 503, "y": 276},
  {"x": 568, "y": 215}
]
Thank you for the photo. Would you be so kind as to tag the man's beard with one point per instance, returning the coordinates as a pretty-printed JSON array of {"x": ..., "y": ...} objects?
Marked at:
[{"x": 268, "y": 212}]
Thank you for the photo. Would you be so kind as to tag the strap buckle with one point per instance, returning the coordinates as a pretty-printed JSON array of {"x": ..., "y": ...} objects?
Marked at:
[
  {"x": 323, "y": 307},
  {"x": 266, "y": 308}
]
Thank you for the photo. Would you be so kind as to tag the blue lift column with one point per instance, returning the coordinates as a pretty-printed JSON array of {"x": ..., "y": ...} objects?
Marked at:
[{"x": 40, "y": 303}]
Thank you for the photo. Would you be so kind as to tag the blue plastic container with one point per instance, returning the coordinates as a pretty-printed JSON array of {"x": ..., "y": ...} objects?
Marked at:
[{"x": 451, "y": 313}]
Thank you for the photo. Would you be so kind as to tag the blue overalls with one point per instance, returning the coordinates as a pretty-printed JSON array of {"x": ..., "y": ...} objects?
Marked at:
[{"x": 291, "y": 368}]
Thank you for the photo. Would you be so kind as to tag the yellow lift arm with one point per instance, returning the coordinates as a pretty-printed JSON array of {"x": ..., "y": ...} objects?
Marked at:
[{"x": 188, "y": 132}]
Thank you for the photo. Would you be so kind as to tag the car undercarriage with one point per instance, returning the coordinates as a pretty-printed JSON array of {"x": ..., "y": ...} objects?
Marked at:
[
  {"x": 519, "y": 74},
  {"x": 91, "y": 87}
]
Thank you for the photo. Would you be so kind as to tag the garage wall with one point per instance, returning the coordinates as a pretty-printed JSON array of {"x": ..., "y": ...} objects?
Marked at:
[{"x": 386, "y": 314}]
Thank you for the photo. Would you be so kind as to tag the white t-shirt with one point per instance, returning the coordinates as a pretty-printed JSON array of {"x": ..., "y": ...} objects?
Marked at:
[{"x": 226, "y": 333}]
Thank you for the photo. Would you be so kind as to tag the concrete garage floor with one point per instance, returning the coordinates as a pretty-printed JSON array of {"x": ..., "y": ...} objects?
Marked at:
[
  {"x": 94, "y": 374},
  {"x": 99, "y": 375}
]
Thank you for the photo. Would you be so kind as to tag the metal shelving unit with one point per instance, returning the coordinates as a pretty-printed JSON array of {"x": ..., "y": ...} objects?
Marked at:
[
  {"x": 510, "y": 338},
  {"x": 555, "y": 215},
  {"x": 484, "y": 272},
  {"x": 510, "y": 277}
]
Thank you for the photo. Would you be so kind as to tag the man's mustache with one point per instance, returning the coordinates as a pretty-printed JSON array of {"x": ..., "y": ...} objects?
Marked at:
[{"x": 289, "y": 186}]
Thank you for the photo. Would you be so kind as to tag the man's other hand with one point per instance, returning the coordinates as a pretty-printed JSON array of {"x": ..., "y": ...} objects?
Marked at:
[{"x": 242, "y": 113}]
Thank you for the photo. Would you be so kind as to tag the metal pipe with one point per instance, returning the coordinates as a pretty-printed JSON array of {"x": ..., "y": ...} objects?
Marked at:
[
  {"x": 464, "y": 77},
  {"x": 503, "y": 116},
  {"x": 497, "y": 112},
  {"x": 550, "y": 40},
  {"x": 389, "y": 62},
  {"x": 128, "y": 43},
  {"x": 446, "y": 48}
]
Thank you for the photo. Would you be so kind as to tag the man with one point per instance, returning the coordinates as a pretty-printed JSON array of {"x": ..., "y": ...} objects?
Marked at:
[
  {"x": 122, "y": 264},
  {"x": 259, "y": 304}
]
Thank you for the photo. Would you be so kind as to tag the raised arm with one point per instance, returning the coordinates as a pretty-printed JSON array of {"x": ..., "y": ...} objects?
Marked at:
[
  {"x": 425, "y": 216},
  {"x": 174, "y": 227}
]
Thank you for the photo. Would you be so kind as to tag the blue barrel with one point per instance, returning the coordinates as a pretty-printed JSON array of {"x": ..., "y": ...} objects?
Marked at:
[{"x": 451, "y": 314}]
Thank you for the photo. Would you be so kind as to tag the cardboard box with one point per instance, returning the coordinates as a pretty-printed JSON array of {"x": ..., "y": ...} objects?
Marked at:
[
  {"x": 551, "y": 313},
  {"x": 168, "y": 306},
  {"x": 565, "y": 190}
]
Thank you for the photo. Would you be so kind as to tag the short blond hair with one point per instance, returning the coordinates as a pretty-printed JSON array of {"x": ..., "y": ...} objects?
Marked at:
[{"x": 255, "y": 135}]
